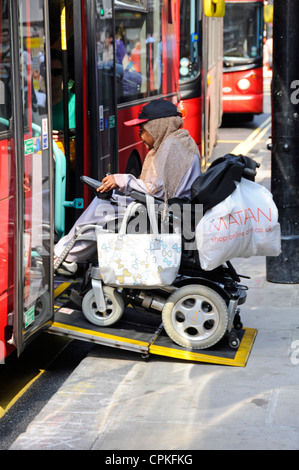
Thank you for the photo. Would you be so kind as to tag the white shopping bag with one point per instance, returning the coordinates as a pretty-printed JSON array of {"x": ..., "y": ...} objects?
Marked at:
[
  {"x": 131, "y": 260},
  {"x": 245, "y": 224}
]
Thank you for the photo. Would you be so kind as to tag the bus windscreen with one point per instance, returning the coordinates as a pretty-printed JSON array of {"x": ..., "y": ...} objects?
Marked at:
[{"x": 242, "y": 35}]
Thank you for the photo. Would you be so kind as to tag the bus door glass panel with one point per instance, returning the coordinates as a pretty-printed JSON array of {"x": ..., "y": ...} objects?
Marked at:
[
  {"x": 7, "y": 185},
  {"x": 36, "y": 187},
  {"x": 154, "y": 47},
  {"x": 190, "y": 41},
  {"x": 106, "y": 75},
  {"x": 138, "y": 44},
  {"x": 242, "y": 34}
]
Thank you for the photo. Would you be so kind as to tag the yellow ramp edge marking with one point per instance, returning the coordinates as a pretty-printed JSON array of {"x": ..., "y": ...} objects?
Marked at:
[
  {"x": 89, "y": 333},
  {"x": 239, "y": 360},
  {"x": 62, "y": 287}
]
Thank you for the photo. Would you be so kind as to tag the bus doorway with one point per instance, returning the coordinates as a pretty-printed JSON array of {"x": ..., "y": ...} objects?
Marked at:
[
  {"x": 67, "y": 103},
  {"x": 26, "y": 239},
  {"x": 83, "y": 100}
]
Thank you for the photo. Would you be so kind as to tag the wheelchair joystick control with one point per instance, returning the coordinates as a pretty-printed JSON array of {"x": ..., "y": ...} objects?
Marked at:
[{"x": 94, "y": 185}]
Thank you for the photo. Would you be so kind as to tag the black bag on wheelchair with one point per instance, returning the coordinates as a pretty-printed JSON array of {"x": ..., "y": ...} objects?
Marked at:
[{"x": 219, "y": 181}]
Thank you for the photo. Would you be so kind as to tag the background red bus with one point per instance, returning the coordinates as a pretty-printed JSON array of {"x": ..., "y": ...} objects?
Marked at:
[
  {"x": 200, "y": 68},
  {"x": 243, "y": 57}
]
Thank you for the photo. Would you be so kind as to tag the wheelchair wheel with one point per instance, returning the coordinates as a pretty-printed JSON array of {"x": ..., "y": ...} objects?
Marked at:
[
  {"x": 115, "y": 307},
  {"x": 195, "y": 317},
  {"x": 42, "y": 305}
]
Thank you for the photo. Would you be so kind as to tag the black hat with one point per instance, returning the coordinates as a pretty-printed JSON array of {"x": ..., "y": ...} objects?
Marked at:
[{"x": 156, "y": 109}]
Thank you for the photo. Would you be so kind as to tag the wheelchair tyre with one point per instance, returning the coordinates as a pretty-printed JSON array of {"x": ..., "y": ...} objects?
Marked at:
[
  {"x": 115, "y": 307},
  {"x": 42, "y": 305},
  {"x": 195, "y": 317}
]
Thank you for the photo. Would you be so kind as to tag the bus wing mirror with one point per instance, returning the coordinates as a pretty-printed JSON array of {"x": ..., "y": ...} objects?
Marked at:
[
  {"x": 268, "y": 13},
  {"x": 214, "y": 8}
]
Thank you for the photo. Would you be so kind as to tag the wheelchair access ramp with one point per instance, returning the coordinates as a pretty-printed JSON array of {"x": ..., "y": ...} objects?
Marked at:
[{"x": 142, "y": 333}]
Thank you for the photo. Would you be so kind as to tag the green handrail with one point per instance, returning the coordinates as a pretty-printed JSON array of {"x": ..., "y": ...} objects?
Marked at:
[
  {"x": 60, "y": 181},
  {"x": 60, "y": 189},
  {"x": 60, "y": 185},
  {"x": 4, "y": 121}
]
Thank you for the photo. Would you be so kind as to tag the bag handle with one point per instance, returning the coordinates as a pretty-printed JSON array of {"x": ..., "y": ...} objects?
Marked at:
[
  {"x": 150, "y": 205},
  {"x": 131, "y": 209}
]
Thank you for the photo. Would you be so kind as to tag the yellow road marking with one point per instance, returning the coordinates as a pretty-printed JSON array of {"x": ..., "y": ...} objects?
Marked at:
[
  {"x": 7, "y": 403},
  {"x": 16, "y": 380},
  {"x": 229, "y": 141},
  {"x": 253, "y": 139},
  {"x": 17, "y": 377}
]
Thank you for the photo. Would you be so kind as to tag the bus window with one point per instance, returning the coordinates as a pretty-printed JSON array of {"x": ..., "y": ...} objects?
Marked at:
[
  {"x": 138, "y": 50},
  {"x": 190, "y": 41},
  {"x": 105, "y": 57},
  {"x": 242, "y": 34}
]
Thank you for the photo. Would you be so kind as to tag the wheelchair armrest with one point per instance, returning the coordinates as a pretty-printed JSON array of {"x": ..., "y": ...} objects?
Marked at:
[
  {"x": 249, "y": 171},
  {"x": 141, "y": 197},
  {"x": 93, "y": 185}
]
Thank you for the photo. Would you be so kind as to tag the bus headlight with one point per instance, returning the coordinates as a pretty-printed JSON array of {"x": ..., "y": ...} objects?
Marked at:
[
  {"x": 243, "y": 84},
  {"x": 184, "y": 66}
]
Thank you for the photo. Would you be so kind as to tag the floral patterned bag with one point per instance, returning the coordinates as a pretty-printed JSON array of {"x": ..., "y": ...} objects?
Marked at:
[{"x": 133, "y": 259}]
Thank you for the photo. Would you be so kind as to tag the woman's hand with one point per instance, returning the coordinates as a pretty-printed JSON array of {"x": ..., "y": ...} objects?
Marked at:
[
  {"x": 108, "y": 183},
  {"x": 58, "y": 136}
]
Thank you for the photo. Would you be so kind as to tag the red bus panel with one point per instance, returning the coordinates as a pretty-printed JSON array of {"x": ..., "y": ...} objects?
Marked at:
[
  {"x": 236, "y": 100},
  {"x": 192, "y": 118},
  {"x": 7, "y": 237}
]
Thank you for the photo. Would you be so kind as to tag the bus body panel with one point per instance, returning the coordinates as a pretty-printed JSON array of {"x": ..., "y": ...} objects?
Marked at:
[
  {"x": 6, "y": 305},
  {"x": 192, "y": 119},
  {"x": 238, "y": 101},
  {"x": 129, "y": 141},
  {"x": 6, "y": 217},
  {"x": 7, "y": 240}
]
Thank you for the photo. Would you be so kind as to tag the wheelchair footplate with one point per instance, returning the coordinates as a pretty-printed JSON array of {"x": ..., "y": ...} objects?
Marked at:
[{"x": 140, "y": 332}]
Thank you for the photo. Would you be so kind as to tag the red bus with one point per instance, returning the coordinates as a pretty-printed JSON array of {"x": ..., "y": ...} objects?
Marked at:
[
  {"x": 200, "y": 68},
  {"x": 41, "y": 193},
  {"x": 107, "y": 92},
  {"x": 243, "y": 57}
]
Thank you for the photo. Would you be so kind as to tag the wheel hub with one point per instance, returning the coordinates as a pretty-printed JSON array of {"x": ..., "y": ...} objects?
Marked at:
[{"x": 195, "y": 317}]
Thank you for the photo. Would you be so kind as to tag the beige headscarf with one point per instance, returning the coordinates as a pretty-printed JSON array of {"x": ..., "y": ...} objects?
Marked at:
[{"x": 170, "y": 158}]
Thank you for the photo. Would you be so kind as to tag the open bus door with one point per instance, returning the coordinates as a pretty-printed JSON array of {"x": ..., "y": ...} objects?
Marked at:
[
  {"x": 102, "y": 85},
  {"x": 30, "y": 147}
]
